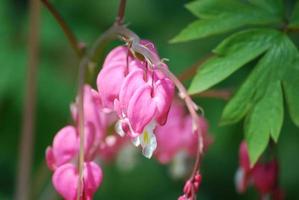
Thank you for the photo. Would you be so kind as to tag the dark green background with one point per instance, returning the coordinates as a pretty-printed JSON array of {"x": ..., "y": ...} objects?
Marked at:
[{"x": 157, "y": 20}]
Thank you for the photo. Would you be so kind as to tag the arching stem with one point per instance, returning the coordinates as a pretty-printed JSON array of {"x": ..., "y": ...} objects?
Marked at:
[{"x": 75, "y": 44}]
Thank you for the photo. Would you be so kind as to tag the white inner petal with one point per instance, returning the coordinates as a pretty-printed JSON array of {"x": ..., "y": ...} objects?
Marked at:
[
  {"x": 148, "y": 140},
  {"x": 118, "y": 128},
  {"x": 136, "y": 141}
]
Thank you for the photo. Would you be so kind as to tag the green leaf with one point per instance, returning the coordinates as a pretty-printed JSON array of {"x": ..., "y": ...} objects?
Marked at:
[
  {"x": 291, "y": 88},
  {"x": 214, "y": 8},
  {"x": 264, "y": 120},
  {"x": 260, "y": 97},
  {"x": 206, "y": 27},
  {"x": 273, "y": 6},
  {"x": 233, "y": 53},
  {"x": 294, "y": 22},
  {"x": 220, "y": 16},
  {"x": 268, "y": 69}
]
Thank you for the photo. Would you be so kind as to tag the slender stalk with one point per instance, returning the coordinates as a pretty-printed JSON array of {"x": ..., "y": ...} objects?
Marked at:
[
  {"x": 81, "y": 128},
  {"x": 121, "y": 12},
  {"x": 88, "y": 58},
  {"x": 27, "y": 137},
  {"x": 220, "y": 94},
  {"x": 76, "y": 46}
]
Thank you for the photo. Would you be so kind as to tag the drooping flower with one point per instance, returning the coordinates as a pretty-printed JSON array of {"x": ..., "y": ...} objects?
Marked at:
[
  {"x": 62, "y": 156},
  {"x": 139, "y": 94},
  {"x": 95, "y": 121},
  {"x": 117, "y": 65},
  {"x": 66, "y": 178},
  {"x": 177, "y": 136},
  {"x": 243, "y": 174},
  {"x": 65, "y": 146},
  {"x": 263, "y": 176}
]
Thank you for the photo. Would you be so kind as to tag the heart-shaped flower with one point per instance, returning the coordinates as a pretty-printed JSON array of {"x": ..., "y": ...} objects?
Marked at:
[{"x": 66, "y": 179}]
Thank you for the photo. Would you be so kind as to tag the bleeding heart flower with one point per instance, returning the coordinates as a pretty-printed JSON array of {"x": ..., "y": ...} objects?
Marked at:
[
  {"x": 65, "y": 147},
  {"x": 65, "y": 150},
  {"x": 139, "y": 94},
  {"x": 66, "y": 177},
  {"x": 143, "y": 103},
  {"x": 176, "y": 135},
  {"x": 117, "y": 65},
  {"x": 243, "y": 175},
  {"x": 265, "y": 176}
]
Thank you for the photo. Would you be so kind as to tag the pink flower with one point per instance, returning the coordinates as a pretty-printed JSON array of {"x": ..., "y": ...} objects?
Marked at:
[
  {"x": 139, "y": 94},
  {"x": 66, "y": 178},
  {"x": 118, "y": 63},
  {"x": 263, "y": 176},
  {"x": 243, "y": 175},
  {"x": 177, "y": 135},
  {"x": 95, "y": 121},
  {"x": 65, "y": 147},
  {"x": 143, "y": 103},
  {"x": 65, "y": 150}
]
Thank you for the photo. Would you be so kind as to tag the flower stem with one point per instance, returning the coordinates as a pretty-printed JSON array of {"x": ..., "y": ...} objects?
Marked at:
[
  {"x": 76, "y": 46},
  {"x": 121, "y": 12},
  {"x": 224, "y": 94},
  {"x": 27, "y": 137}
]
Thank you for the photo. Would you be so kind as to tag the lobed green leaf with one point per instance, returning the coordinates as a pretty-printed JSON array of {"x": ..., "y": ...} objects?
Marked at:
[
  {"x": 233, "y": 53},
  {"x": 220, "y": 16},
  {"x": 263, "y": 121}
]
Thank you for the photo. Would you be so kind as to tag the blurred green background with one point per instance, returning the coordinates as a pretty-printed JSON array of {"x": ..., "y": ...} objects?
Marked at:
[{"x": 155, "y": 20}]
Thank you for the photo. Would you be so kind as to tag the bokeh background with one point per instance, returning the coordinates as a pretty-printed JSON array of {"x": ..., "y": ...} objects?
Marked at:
[{"x": 156, "y": 20}]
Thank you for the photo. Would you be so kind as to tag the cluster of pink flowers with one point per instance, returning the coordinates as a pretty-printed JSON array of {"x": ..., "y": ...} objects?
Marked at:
[
  {"x": 135, "y": 99},
  {"x": 263, "y": 176},
  {"x": 62, "y": 156},
  {"x": 140, "y": 95}
]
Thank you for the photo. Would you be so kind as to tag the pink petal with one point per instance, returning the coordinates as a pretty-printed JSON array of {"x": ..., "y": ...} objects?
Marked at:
[
  {"x": 163, "y": 94},
  {"x": 117, "y": 54},
  {"x": 65, "y": 181},
  {"x": 109, "y": 82},
  {"x": 132, "y": 82},
  {"x": 141, "y": 109},
  {"x": 265, "y": 176},
  {"x": 93, "y": 177},
  {"x": 244, "y": 157},
  {"x": 91, "y": 141},
  {"x": 65, "y": 146},
  {"x": 50, "y": 159}
]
